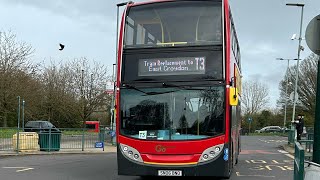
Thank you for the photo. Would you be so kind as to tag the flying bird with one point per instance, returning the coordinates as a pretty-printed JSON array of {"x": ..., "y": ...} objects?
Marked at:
[{"x": 61, "y": 47}]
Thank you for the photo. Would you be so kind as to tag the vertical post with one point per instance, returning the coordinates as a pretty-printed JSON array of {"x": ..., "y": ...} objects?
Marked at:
[
  {"x": 297, "y": 71},
  {"x": 82, "y": 139},
  {"x": 91, "y": 82},
  {"x": 83, "y": 108},
  {"x": 18, "y": 130},
  {"x": 23, "y": 103},
  {"x": 49, "y": 140},
  {"x": 249, "y": 121},
  {"x": 18, "y": 112},
  {"x": 113, "y": 98},
  {"x": 82, "y": 97},
  {"x": 316, "y": 135},
  {"x": 286, "y": 101}
]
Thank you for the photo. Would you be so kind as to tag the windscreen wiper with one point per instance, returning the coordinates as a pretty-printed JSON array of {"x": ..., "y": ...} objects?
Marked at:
[
  {"x": 133, "y": 87},
  {"x": 168, "y": 85},
  {"x": 147, "y": 93}
]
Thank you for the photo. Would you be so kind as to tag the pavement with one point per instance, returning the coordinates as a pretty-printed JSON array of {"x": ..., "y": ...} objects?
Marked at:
[
  {"x": 288, "y": 147},
  {"x": 108, "y": 148}
]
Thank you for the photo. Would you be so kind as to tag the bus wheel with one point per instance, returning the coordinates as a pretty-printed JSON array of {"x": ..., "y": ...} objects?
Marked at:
[
  {"x": 231, "y": 166},
  {"x": 229, "y": 175}
]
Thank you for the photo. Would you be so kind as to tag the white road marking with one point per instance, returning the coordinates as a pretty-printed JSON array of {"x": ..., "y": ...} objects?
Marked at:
[
  {"x": 286, "y": 153},
  {"x": 290, "y": 156},
  {"x": 20, "y": 169},
  {"x": 238, "y": 174},
  {"x": 282, "y": 151},
  {"x": 272, "y": 141}
]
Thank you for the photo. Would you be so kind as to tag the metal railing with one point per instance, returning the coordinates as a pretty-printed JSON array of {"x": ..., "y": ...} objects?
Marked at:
[
  {"x": 17, "y": 140},
  {"x": 298, "y": 162},
  {"x": 291, "y": 136}
]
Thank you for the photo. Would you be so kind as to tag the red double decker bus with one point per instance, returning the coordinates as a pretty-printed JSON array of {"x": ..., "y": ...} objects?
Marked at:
[{"x": 178, "y": 89}]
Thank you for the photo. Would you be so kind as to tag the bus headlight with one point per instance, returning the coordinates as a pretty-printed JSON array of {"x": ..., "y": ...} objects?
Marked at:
[
  {"x": 130, "y": 153},
  {"x": 211, "y": 153}
]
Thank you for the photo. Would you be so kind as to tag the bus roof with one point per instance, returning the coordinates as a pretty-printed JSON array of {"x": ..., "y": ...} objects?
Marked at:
[
  {"x": 158, "y": 1},
  {"x": 148, "y": 2}
]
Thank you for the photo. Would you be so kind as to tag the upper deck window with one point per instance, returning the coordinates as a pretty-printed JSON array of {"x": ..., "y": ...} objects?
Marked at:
[{"x": 181, "y": 23}]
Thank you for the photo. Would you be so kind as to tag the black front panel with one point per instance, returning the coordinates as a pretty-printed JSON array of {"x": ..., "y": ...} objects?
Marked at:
[{"x": 172, "y": 64}]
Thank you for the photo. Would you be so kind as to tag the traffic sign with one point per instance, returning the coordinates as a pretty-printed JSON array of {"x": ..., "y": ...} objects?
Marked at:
[
  {"x": 291, "y": 96},
  {"x": 250, "y": 119},
  {"x": 99, "y": 145},
  {"x": 313, "y": 35}
]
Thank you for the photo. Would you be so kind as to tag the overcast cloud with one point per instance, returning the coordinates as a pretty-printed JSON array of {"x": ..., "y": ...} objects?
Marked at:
[{"x": 88, "y": 29}]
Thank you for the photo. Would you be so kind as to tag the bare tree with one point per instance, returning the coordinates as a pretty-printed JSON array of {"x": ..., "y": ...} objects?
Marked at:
[
  {"x": 14, "y": 64},
  {"x": 307, "y": 86},
  {"x": 254, "y": 96},
  {"x": 74, "y": 90},
  {"x": 90, "y": 84}
]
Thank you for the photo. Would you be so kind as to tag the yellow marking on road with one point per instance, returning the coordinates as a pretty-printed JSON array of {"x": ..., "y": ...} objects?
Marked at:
[
  {"x": 290, "y": 168},
  {"x": 258, "y": 161},
  {"x": 276, "y": 162},
  {"x": 238, "y": 174},
  {"x": 270, "y": 169}
]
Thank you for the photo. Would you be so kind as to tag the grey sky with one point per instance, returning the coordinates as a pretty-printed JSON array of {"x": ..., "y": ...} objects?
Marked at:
[{"x": 88, "y": 29}]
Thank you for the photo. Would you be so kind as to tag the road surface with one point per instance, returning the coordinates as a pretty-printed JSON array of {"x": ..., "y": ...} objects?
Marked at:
[{"x": 260, "y": 158}]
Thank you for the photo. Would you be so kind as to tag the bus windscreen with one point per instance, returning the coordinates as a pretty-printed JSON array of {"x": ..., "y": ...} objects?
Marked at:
[{"x": 172, "y": 113}]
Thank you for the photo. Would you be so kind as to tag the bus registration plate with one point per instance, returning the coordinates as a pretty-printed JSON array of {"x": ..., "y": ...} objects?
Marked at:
[{"x": 169, "y": 173}]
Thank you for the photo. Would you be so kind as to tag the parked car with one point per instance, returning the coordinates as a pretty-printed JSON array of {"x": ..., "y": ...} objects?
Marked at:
[
  {"x": 40, "y": 126},
  {"x": 269, "y": 129},
  {"x": 286, "y": 129}
]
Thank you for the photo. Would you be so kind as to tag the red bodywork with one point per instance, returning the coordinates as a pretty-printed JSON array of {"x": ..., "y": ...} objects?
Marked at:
[{"x": 178, "y": 152}]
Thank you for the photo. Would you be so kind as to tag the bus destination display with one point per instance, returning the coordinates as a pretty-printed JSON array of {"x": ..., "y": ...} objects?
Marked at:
[{"x": 172, "y": 66}]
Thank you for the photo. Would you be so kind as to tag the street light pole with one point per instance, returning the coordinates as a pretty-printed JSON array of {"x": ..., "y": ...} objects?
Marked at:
[
  {"x": 23, "y": 104},
  {"x": 299, "y": 50},
  {"x": 18, "y": 97},
  {"x": 286, "y": 101},
  {"x": 113, "y": 98}
]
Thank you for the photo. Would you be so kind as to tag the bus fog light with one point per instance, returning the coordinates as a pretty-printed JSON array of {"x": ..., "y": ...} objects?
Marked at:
[
  {"x": 205, "y": 156},
  {"x": 130, "y": 153},
  {"x": 125, "y": 149},
  {"x": 212, "y": 153},
  {"x": 136, "y": 156},
  {"x": 217, "y": 149}
]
